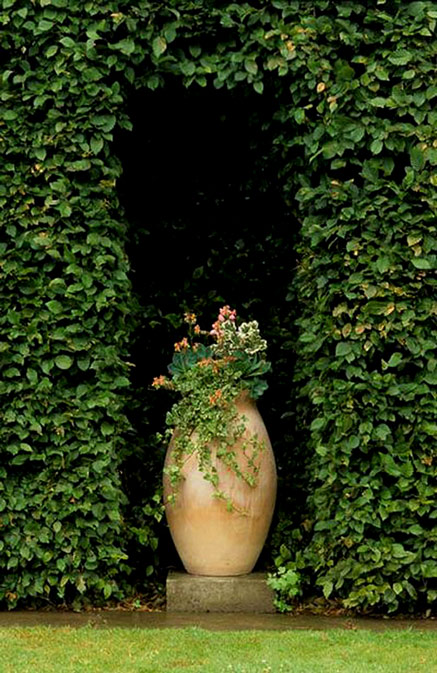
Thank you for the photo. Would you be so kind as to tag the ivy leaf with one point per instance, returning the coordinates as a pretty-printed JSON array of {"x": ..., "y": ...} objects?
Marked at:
[
  {"x": 318, "y": 423},
  {"x": 421, "y": 263},
  {"x": 417, "y": 158},
  {"x": 126, "y": 46},
  {"x": 395, "y": 359},
  {"x": 251, "y": 66},
  {"x": 55, "y": 306},
  {"x": 51, "y": 51},
  {"x": 63, "y": 361},
  {"x": 430, "y": 429},
  {"x": 105, "y": 122},
  {"x": 65, "y": 209},
  {"x": 378, "y": 101},
  {"x": 32, "y": 376},
  {"x": 96, "y": 144},
  {"x": 159, "y": 45},
  {"x": 414, "y": 239},
  {"x": 194, "y": 50},
  {"x": 9, "y": 115},
  {"x": 188, "y": 68},
  {"x": 40, "y": 153},
  {"x": 343, "y": 348},
  {"x": 91, "y": 74},
  {"x": 390, "y": 466},
  {"x": 79, "y": 165},
  {"x": 299, "y": 115},
  {"x": 45, "y": 25},
  {"x": 81, "y": 584},
  {"x": 431, "y": 378},
  {"x": 416, "y": 8},
  {"x": 170, "y": 31},
  {"x": 327, "y": 588},
  {"x": 83, "y": 363},
  {"x": 383, "y": 264},
  {"x": 107, "y": 428},
  {"x": 67, "y": 42},
  {"x": 382, "y": 431},
  {"x": 376, "y": 146},
  {"x": 400, "y": 57}
]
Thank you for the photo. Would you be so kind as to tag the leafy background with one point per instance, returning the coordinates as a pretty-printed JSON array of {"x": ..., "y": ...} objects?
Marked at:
[{"x": 292, "y": 141}]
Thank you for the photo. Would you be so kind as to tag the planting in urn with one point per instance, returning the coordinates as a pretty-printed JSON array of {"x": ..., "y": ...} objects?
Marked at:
[{"x": 211, "y": 377}]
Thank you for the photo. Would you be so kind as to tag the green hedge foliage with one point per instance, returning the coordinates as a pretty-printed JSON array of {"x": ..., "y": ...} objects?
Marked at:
[
  {"x": 65, "y": 309},
  {"x": 354, "y": 139},
  {"x": 368, "y": 330}
]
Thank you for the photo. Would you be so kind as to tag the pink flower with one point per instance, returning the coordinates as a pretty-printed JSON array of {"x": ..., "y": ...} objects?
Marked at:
[
  {"x": 227, "y": 312},
  {"x": 216, "y": 329},
  {"x": 181, "y": 345},
  {"x": 215, "y": 397},
  {"x": 190, "y": 318}
]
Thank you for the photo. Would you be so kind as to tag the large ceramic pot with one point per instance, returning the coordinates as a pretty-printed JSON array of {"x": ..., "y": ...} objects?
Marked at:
[{"x": 210, "y": 539}]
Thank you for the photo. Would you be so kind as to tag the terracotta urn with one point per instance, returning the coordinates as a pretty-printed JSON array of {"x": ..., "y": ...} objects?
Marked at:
[{"x": 210, "y": 538}]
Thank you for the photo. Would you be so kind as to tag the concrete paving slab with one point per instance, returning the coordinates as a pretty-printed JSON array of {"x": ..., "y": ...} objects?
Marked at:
[
  {"x": 201, "y": 593},
  {"x": 105, "y": 619}
]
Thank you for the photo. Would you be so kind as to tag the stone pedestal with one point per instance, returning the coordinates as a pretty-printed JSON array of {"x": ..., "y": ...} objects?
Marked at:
[{"x": 199, "y": 593}]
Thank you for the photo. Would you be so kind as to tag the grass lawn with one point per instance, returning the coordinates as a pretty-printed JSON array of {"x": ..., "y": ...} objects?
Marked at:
[{"x": 90, "y": 650}]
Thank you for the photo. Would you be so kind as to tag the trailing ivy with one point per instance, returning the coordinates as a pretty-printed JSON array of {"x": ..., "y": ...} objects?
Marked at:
[{"x": 354, "y": 136}]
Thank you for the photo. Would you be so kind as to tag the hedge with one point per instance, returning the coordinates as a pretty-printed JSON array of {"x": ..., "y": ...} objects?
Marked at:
[{"x": 354, "y": 141}]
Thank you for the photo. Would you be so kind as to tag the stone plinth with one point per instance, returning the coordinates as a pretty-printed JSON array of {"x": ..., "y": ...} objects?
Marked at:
[{"x": 199, "y": 593}]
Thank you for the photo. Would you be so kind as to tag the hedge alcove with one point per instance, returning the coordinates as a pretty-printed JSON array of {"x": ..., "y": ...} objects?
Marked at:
[{"x": 208, "y": 225}]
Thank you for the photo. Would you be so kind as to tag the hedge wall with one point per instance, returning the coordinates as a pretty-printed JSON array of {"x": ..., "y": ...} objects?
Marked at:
[
  {"x": 368, "y": 328},
  {"x": 354, "y": 139}
]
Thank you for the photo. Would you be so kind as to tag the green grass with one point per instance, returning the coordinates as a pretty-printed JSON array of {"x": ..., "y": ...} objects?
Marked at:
[{"x": 88, "y": 650}]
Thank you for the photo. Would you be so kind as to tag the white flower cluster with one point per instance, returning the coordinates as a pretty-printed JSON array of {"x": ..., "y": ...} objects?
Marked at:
[
  {"x": 246, "y": 338},
  {"x": 250, "y": 338}
]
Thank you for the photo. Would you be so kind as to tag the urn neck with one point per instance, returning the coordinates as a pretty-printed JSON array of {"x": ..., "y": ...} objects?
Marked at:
[{"x": 244, "y": 399}]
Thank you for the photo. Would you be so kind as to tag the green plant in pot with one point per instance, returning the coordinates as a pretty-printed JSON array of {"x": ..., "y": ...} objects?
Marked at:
[{"x": 219, "y": 475}]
